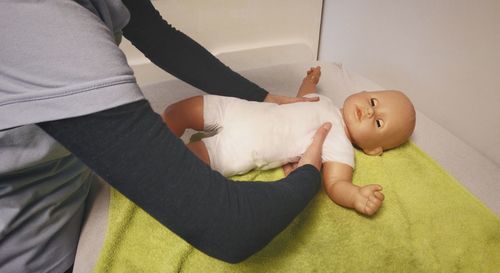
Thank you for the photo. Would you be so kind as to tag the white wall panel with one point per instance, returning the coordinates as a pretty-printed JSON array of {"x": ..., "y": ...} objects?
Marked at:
[
  {"x": 445, "y": 54},
  {"x": 226, "y": 27}
]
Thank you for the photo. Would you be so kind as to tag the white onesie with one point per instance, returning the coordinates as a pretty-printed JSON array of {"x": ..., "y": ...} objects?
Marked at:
[{"x": 256, "y": 135}]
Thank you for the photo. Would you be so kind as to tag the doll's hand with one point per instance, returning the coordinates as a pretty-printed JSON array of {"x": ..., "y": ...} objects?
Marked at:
[
  {"x": 285, "y": 100},
  {"x": 368, "y": 199}
]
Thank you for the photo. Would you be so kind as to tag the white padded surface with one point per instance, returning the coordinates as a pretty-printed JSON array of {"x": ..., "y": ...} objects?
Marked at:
[{"x": 478, "y": 174}]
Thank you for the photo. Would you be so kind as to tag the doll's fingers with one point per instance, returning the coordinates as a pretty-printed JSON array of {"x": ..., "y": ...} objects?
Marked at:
[
  {"x": 373, "y": 202},
  {"x": 374, "y": 187},
  {"x": 380, "y": 196},
  {"x": 371, "y": 189},
  {"x": 369, "y": 210},
  {"x": 372, "y": 205}
]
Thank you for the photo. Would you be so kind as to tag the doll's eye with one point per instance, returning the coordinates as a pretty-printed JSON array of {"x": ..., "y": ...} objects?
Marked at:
[
  {"x": 380, "y": 123},
  {"x": 373, "y": 102}
]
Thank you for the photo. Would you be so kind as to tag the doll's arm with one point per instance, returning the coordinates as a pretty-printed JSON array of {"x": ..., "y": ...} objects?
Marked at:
[{"x": 337, "y": 180}]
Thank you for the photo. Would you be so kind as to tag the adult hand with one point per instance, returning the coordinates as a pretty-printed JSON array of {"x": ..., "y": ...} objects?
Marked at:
[
  {"x": 290, "y": 167},
  {"x": 313, "y": 153},
  {"x": 285, "y": 100}
]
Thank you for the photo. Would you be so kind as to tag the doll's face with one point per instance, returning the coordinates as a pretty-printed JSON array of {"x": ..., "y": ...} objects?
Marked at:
[{"x": 379, "y": 120}]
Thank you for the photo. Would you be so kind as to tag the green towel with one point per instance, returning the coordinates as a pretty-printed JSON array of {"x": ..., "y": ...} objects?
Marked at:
[{"x": 428, "y": 223}]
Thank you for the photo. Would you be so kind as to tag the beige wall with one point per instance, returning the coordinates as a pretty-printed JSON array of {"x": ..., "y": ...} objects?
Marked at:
[
  {"x": 261, "y": 29},
  {"x": 445, "y": 54}
]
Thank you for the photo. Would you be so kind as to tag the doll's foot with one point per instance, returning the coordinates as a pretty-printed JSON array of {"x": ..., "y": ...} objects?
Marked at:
[{"x": 313, "y": 74}]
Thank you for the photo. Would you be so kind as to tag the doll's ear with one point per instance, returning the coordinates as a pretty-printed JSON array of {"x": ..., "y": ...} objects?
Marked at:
[{"x": 375, "y": 151}]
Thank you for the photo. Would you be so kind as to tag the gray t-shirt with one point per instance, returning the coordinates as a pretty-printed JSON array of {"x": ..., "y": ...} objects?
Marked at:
[{"x": 59, "y": 59}]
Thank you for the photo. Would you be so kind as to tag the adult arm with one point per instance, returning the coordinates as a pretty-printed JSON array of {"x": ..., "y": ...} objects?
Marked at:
[
  {"x": 183, "y": 57},
  {"x": 131, "y": 148}
]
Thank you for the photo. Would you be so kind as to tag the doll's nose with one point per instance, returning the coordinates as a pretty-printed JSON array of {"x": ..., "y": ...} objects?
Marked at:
[{"x": 369, "y": 112}]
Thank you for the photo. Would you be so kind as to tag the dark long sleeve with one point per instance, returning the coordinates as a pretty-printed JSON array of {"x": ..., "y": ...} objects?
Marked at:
[
  {"x": 132, "y": 149},
  {"x": 183, "y": 57}
]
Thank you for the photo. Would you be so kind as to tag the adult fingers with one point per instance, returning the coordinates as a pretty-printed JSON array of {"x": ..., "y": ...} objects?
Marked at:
[
  {"x": 288, "y": 168},
  {"x": 303, "y": 99},
  {"x": 313, "y": 153},
  {"x": 285, "y": 100}
]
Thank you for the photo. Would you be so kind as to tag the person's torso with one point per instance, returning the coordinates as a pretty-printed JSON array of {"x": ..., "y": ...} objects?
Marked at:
[{"x": 43, "y": 187}]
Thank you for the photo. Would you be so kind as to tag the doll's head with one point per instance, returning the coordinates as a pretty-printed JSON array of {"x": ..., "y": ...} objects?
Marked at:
[{"x": 379, "y": 120}]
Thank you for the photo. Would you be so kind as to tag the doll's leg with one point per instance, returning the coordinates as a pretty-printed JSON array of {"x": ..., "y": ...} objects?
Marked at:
[
  {"x": 310, "y": 81},
  {"x": 200, "y": 150},
  {"x": 187, "y": 114},
  {"x": 184, "y": 114}
]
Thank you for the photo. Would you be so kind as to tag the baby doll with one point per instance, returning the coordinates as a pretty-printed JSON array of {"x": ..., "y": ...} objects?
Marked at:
[{"x": 245, "y": 135}]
